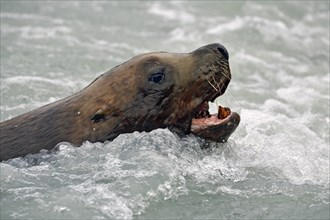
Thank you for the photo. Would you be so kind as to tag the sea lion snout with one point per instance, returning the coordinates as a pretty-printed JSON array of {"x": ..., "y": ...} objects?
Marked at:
[{"x": 214, "y": 48}]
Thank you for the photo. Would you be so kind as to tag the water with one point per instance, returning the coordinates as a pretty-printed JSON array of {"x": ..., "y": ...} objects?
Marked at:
[{"x": 275, "y": 166}]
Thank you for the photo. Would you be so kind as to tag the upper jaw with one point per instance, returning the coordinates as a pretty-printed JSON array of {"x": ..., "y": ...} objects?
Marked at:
[{"x": 213, "y": 94}]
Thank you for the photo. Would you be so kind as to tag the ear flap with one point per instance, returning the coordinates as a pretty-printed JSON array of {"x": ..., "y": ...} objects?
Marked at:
[
  {"x": 101, "y": 114},
  {"x": 97, "y": 117}
]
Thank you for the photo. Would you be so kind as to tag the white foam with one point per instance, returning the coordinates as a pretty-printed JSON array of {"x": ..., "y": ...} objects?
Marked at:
[
  {"x": 231, "y": 25},
  {"x": 169, "y": 13},
  {"x": 297, "y": 152},
  {"x": 28, "y": 79},
  {"x": 24, "y": 16}
]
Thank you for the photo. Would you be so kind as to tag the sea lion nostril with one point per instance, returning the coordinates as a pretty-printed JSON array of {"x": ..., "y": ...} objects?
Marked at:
[{"x": 223, "y": 51}]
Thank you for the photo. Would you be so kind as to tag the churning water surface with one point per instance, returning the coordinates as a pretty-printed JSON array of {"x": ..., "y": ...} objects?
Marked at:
[{"x": 276, "y": 164}]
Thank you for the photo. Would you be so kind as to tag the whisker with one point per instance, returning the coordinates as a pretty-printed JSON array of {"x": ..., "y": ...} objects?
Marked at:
[
  {"x": 223, "y": 70},
  {"x": 219, "y": 84},
  {"x": 199, "y": 69},
  {"x": 233, "y": 97},
  {"x": 216, "y": 83},
  {"x": 212, "y": 85}
]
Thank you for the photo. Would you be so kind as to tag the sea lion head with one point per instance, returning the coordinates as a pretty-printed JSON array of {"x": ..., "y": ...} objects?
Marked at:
[
  {"x": 166, "y": 90},
  {"x": 150, "y": 91}
]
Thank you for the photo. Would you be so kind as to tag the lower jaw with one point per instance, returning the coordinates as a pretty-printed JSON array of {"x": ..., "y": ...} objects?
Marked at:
[
  {"x": 214, "y": 129},
  {"x": 213, "y": 120}
]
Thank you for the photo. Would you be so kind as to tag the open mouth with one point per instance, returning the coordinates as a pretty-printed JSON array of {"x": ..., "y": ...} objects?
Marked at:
[
  {"x": 203, "y": 118},
  {"x": 219, "y": 126},
  {"x": 216, "y": 127}
]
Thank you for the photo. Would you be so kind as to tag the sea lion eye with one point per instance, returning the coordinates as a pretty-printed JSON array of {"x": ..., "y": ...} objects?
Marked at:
[{"x": 157, "y": 77}]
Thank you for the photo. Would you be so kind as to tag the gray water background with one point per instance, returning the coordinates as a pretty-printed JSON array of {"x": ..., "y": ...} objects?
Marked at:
[{"x": 275, "y": 166}]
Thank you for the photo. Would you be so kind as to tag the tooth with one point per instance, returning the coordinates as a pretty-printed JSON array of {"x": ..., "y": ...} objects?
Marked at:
[{"x": 223, "y": 112}]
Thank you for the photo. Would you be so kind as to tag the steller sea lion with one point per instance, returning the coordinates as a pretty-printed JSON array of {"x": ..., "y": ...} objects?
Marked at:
[{"x": 152, "y": 90}]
